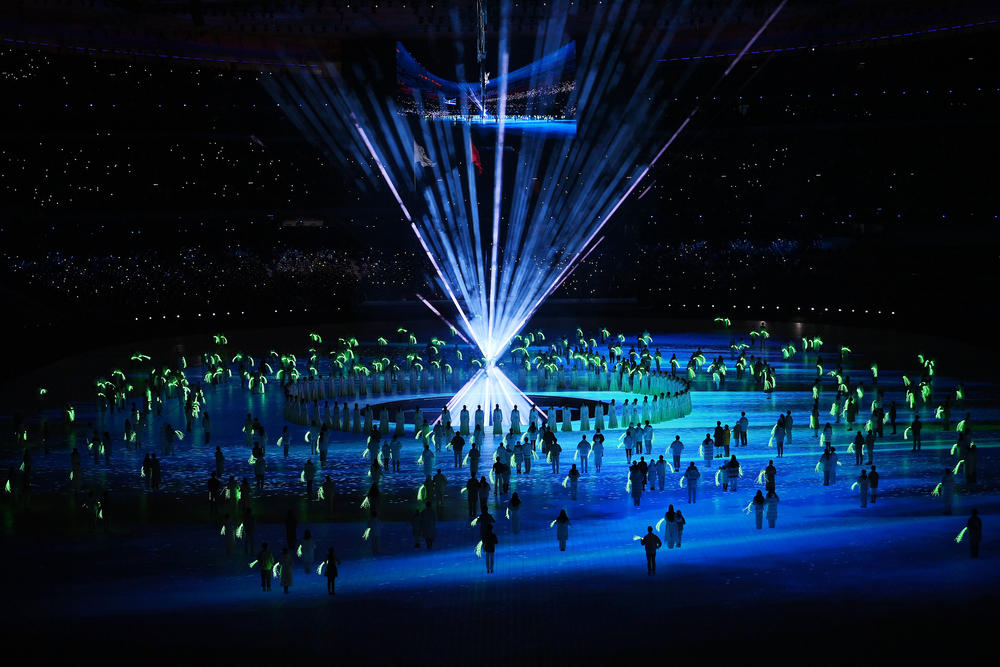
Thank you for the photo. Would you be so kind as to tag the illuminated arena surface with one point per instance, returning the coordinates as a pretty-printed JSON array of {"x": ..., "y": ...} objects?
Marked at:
[
  {"x": 832, "y": 580},
  {"x": 523, "y": 125}
]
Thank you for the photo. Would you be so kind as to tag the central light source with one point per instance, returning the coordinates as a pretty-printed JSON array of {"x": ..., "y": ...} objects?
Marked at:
[{"x": 489, "y": 388}]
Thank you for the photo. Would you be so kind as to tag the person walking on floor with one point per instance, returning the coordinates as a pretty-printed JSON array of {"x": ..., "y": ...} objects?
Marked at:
[{"x": 651, "y": 542}]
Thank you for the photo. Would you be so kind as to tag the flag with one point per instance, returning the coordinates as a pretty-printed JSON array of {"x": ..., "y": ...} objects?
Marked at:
[
  {"x": 475, "y": 158},
  {"x": 420, "y": 156}
]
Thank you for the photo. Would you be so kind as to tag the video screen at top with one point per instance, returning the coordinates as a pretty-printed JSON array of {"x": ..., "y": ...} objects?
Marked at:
[{"x": 539, "y": 96}]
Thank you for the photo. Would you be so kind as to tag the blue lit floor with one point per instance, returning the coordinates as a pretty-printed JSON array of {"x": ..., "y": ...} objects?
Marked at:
[
  {"x": 551, "y": 127},
  {"x": 833, "y": 576}
]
